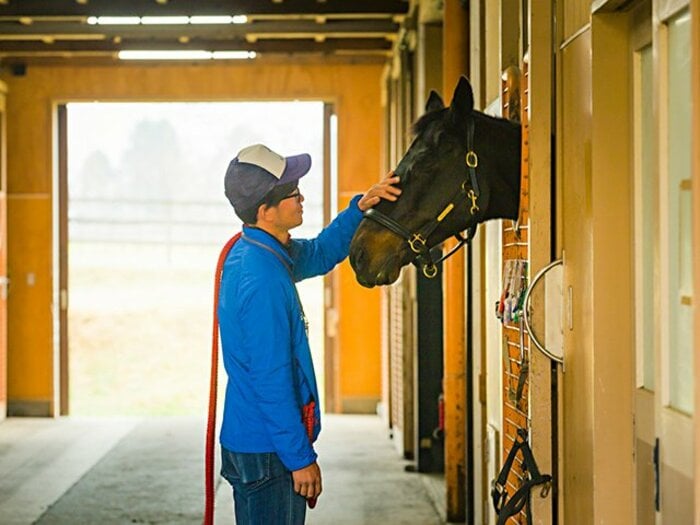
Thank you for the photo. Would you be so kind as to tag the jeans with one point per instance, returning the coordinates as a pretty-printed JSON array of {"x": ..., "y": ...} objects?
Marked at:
[{"x": 263, "y": 490}]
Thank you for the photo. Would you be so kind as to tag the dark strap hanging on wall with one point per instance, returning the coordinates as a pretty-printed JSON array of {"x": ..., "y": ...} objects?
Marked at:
[{"x": 506, "y": 507}]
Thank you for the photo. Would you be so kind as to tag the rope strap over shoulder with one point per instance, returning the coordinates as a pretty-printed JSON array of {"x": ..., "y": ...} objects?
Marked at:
[
  {"x": 211, "y": 415},
  {"x": 506, "y": 507}
]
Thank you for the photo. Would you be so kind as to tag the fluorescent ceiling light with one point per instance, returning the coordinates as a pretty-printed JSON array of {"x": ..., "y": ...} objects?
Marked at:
[
  {"x": 114, "y": 20},
  {"x": 233, "y": 55},
  {"x": 211, "y": 19},
  {"x": 165, "y": 20},
  {"x": 185, "y": 54}
]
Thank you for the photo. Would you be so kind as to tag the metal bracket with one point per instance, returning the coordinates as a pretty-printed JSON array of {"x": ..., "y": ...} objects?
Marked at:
[{"x": 526, "y": 316}]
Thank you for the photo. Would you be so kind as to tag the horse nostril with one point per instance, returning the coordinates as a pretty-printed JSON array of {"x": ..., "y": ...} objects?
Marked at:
[{"x": 358, "y": 257}]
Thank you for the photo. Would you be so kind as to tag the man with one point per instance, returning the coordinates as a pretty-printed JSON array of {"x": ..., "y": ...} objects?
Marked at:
[{"x": 267, "y": 452}]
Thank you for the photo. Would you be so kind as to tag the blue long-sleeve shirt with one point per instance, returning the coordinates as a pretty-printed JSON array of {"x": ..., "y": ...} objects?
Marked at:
[{"x": 264, "y": 341}]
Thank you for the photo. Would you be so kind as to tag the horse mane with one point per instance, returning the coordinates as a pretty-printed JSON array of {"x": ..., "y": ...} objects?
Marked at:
[{"x": 424, "y": 122}]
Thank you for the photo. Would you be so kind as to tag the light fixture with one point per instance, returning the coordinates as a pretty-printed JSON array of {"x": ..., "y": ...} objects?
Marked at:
[
  {"x": 114, "y": 20},
  {"x": 185, "y": 54},
  {"x": 165, "y": 20},
  {"x": 211, "y": 19},
  {"x": 233, "y": 55}
]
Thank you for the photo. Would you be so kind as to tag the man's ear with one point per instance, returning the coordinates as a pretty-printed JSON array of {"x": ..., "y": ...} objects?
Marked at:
[{"x": 263, "y": 213}]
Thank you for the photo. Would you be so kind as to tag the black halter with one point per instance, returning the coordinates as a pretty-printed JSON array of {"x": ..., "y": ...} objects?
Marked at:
[{"x": 418, "y": 241}]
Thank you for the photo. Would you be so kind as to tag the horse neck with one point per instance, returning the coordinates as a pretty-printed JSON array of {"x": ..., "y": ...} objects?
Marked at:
[{"x": 504, "y": 173}]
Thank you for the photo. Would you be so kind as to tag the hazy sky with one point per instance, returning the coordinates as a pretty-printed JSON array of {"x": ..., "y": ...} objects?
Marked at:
[{"x": 209, "y": 134}]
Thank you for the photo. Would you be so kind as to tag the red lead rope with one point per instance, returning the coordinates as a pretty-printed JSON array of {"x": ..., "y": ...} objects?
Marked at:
[
  {"x": 211, "y": 420},
  {"x": 307, "y": 414}
]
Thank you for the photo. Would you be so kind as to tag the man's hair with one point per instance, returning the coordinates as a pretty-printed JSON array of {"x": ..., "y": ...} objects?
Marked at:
[{"x": 272, "y": 198}]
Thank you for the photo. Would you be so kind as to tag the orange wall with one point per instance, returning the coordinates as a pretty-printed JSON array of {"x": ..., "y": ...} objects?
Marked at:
[{"x": 355, "y": 90}]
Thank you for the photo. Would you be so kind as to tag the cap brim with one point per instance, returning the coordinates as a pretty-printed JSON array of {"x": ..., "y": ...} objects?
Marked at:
[{"x": 297, "y": 166}]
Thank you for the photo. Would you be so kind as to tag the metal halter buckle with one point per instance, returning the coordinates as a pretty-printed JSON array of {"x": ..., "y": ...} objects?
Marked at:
[
  {"x": 471, "y": 159},
  {"x": 417, "y": 238}
]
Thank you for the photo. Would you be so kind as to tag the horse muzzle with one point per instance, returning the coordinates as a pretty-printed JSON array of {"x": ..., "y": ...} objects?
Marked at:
[{"x": 377, "y": 257}]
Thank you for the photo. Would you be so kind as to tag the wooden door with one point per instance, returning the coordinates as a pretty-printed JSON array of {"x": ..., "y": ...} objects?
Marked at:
[
  {"x": 3, "y": 259},
  {"x": 674, "y": 360},
  {"x": 575, "y": 226}
]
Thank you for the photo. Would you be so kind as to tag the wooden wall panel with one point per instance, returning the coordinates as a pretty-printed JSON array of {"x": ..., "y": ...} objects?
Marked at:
[
  {"x": 613, "y": 268},
  {"x": 30, "y": 344},
  {"x": 576, "y": 14},
  {"x": 355, "y": 90},
  {"x": 516, "y": 249},
  {"x": 695, "y": 76}
]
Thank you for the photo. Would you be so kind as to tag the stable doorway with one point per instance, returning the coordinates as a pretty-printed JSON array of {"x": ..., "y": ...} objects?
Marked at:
[{"x": 141, "y": 222}]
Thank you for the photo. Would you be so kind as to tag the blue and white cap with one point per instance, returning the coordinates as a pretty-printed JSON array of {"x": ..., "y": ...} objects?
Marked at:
[{"x": 256, "y": 170}]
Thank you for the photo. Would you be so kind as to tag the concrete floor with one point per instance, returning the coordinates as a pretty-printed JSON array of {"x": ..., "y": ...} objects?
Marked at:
[{"x": 73, "y": 471}]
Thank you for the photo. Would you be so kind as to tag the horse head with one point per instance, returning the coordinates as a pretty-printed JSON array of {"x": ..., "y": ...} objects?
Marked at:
[{"x": 462, "y": 168}]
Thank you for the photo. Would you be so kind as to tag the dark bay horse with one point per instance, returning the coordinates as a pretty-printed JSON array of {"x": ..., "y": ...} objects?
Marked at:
[{"x": 462, "y": 168}]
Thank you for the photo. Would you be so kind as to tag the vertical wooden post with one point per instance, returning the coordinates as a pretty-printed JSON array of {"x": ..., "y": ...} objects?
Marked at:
[
  {"x": 61, "y": 396},
  {"x": 540, "y": 95},
  {"x": 455, "y": 59}
]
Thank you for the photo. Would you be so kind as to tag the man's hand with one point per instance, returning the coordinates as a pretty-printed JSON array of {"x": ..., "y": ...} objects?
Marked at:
[
  {"x": 307, "y": 481},
  {"x": 381, "y": 190}
]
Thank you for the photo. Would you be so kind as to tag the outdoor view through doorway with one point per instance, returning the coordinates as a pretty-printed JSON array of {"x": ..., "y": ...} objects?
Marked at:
[{"x": 147, "y": 217}]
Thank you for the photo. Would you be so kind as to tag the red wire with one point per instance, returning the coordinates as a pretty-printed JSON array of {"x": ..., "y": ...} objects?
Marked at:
[{"x": 211, "y": 420}]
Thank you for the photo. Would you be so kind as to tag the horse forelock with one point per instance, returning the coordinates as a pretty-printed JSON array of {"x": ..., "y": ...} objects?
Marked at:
[{"x": 422, "y": 125}]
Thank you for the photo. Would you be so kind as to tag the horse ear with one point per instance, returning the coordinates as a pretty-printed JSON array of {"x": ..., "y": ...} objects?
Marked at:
[
  {"x": 463, "y": 100},
  {"x": 434, "y": 102}
]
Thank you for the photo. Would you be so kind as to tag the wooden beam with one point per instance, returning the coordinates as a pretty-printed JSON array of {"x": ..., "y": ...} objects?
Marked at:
[
  {"x": 455, "y": 59},
  {"x": 200, "y": 7},
  {"x": 17, "y": 49},
  {"x": 16, "y": 30}
]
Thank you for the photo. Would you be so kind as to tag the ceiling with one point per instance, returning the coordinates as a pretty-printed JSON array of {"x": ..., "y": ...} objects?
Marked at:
[{"x": 70, "y": 30}]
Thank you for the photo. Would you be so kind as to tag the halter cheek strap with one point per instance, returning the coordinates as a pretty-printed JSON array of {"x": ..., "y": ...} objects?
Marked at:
[{"x": 418, "y": 241}]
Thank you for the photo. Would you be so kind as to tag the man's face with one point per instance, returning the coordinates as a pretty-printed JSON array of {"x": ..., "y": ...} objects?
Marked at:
[{"x": 290, "y": 211}]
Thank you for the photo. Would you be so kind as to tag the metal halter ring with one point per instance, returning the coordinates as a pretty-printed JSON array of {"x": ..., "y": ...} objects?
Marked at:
[
  {"x": 430, "y": 270},
  {"x": 417, "y": 238},
  {"x": 471, "y": 159}
]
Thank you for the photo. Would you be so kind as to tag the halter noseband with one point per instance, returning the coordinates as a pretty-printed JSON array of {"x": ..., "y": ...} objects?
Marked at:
[{"x": 418, "y": 241}]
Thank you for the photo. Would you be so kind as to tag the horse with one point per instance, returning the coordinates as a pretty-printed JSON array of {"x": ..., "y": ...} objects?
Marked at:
[{"x": 462, "y": 168}]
